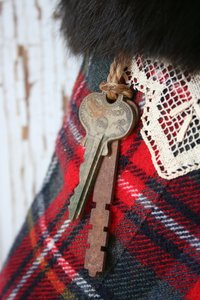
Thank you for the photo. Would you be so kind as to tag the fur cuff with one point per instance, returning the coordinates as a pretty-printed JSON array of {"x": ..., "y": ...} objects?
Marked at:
[{"x": 161, "y": 29}]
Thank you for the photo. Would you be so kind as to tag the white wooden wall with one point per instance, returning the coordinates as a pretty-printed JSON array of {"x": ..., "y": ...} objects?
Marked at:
[{"x": 36, "y": 79}]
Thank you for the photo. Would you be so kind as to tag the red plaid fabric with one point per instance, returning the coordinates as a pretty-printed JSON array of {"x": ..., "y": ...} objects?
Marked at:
[{"x": 154, "y": 244}]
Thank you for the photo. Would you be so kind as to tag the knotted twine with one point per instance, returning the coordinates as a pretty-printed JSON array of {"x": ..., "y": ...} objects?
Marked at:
[{"x": 116, "y": 79}]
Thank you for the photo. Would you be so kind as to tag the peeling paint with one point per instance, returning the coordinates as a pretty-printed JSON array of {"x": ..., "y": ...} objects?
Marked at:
[
  {"x": 24, "y": 132},
  {"x": 35, "y": 95},
  {"x": 44, "y": 140},
  {"x": 23, "y": 54},
  {"x": 1, "y": 8},
  {"x": 39, "y": 10},
  {"x": 22, "y": 171},
  {"x": 15, "y": 18},
  {"x": 65, "y": 102}
]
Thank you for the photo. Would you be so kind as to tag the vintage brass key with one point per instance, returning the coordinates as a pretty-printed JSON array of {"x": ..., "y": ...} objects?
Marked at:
[{"x": 103, "y": 122}]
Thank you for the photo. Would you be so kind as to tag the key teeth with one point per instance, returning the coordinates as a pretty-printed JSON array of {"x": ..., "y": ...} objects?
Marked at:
[{"x": 91, "y": 264}]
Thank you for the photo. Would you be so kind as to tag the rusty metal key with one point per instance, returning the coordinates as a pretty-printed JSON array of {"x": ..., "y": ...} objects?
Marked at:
[
  {"x": 104, "y": 122},
  {"x": 100, "y": 214},
  {"x": 98, "y": 234}
]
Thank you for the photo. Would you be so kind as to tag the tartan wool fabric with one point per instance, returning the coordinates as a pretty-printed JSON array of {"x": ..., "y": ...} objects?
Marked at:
[{"x": 154, "y": 246}]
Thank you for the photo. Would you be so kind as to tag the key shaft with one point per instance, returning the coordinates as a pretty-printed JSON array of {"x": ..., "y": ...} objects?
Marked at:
[{"x": 87, "y": 175}]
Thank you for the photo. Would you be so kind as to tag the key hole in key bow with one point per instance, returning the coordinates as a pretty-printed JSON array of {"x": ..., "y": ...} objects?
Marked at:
[{"x": 111, "y": 101}]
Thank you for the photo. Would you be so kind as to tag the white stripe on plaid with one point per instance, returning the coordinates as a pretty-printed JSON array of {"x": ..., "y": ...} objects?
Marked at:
[
  {"x": 76, "y": 134},
  {"x": 50, "y": 170},
  {"x": 169, "y": 223},
  {"x": 50, "y": 246},
  {"x": 128, "y": 187},
  {"x": 38, "y": 260}
]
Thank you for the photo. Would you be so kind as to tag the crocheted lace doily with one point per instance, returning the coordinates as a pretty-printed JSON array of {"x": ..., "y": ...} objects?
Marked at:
[{"x": 171, "y": 116}]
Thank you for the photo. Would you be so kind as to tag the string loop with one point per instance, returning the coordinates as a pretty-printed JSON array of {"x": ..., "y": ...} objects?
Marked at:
[{"x": 115, "y": 81}]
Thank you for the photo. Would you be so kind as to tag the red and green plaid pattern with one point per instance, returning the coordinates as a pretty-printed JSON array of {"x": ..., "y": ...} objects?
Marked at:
[{"x": 154, "y": 246}]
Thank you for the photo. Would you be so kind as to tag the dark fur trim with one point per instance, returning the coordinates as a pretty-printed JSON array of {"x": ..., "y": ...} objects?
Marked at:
[{"x": 156, "y": 28}]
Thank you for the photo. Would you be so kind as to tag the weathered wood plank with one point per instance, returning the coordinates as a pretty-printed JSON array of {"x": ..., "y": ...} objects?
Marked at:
[{"x": 36, "y": 78}]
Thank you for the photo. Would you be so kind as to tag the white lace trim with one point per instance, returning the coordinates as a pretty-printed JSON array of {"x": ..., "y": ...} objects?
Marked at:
[{"x": 171, "y": 117}]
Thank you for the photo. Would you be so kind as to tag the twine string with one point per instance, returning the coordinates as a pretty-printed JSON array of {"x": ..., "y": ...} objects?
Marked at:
[{"x": 115, "y": 81}]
